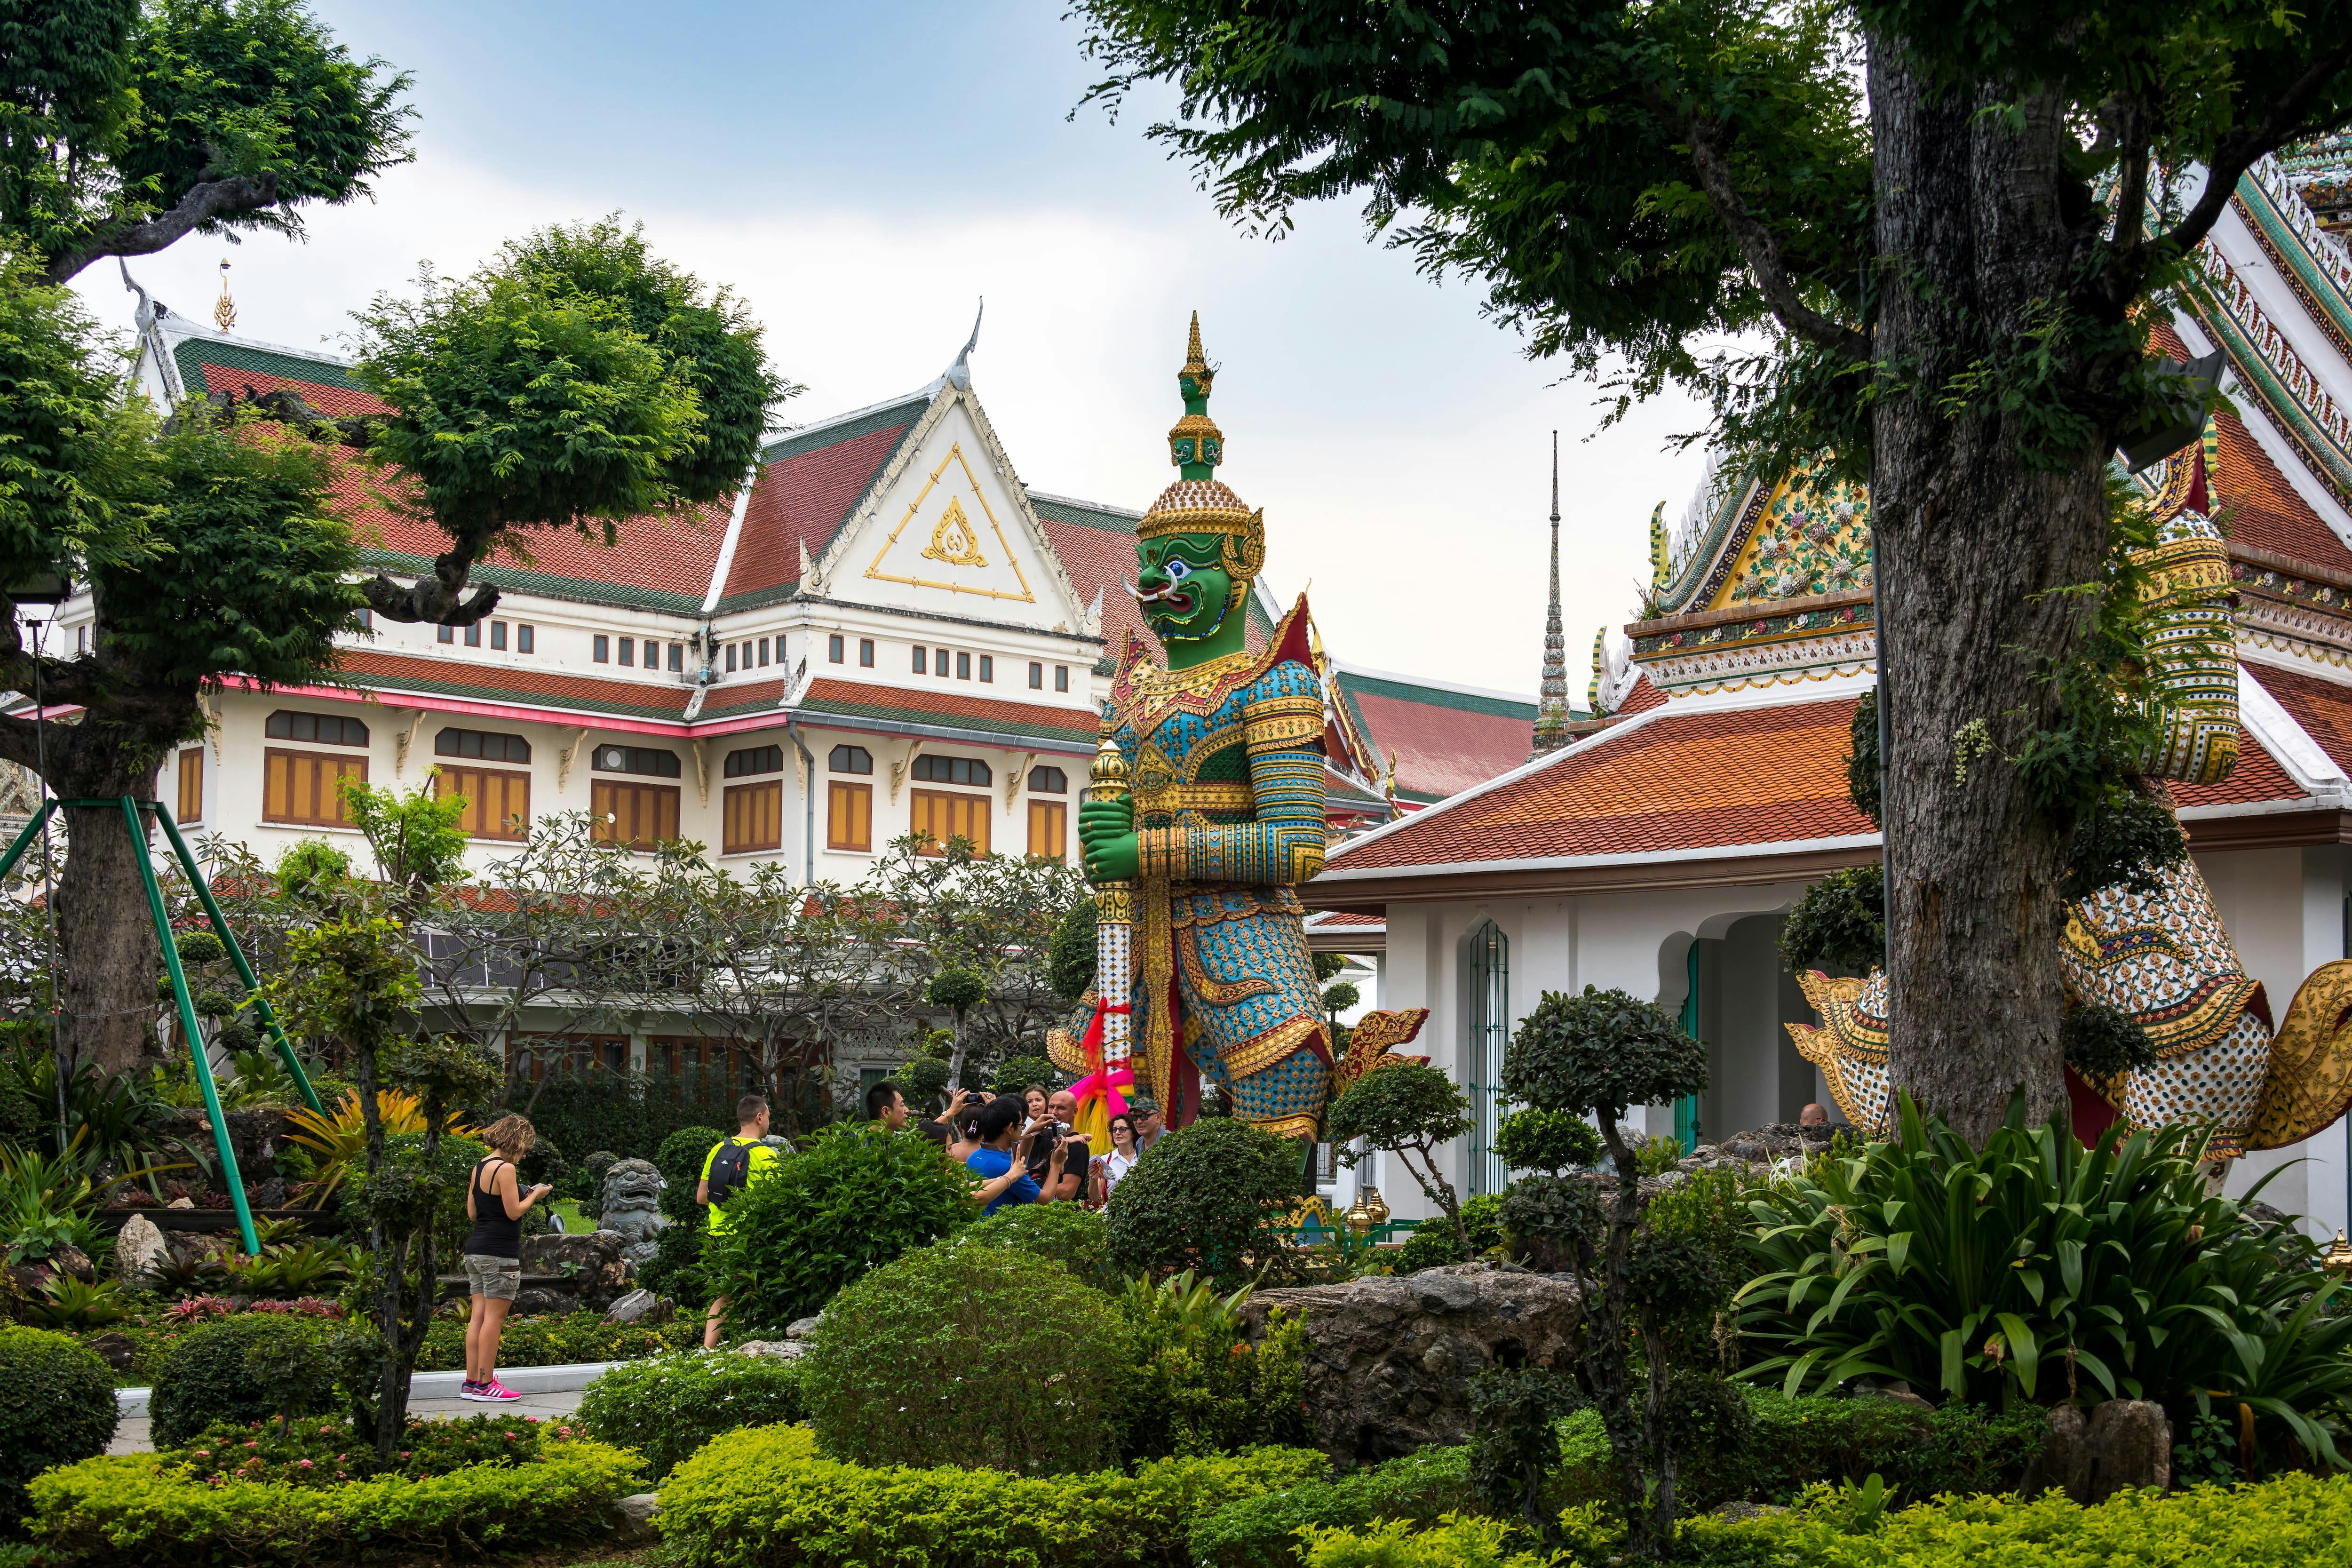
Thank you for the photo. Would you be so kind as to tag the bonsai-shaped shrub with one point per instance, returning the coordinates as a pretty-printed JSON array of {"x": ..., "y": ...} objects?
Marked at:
[
  {"x": 56, "y": 1405},
  {"x": 852, "y": 1200},
  {"x": 1840, "y": 922},
  {"x": 675, "y": 1268},
  {"x": 252, "y": 1366},
  {"x": 1596, "y": 1054},
  {"x": 1071, "y": 1235},
  {"x": 924, "y": 1080},
  {"x": 1070, "y": 953},
  {"x": 1547, "y": 1140},
  {"x": 1211, "y": 1199},
  {"x": 959, "y": 990},
  {"x": 975, "y": 1356},
  {"x": 1407, "y": 1109},
  {"x": 1195, "y": 1384},
  {"x": 666, "y": 1406},
  {"x": 1433, "y": 1246}
]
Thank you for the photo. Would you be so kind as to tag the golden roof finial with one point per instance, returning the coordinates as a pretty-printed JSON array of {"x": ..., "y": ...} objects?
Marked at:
[
  {"x": 225, "y": 308},
  {"x": 1194, "y": 360}
]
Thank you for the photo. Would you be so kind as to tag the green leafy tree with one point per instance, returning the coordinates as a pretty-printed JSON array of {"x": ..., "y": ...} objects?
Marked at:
[
  {"x": 1597, "y": 1053},
  {"x": 132, "y": 125},
  {"x": 1945, "y": 230},
  {"x": 1411, "y": 1110}
]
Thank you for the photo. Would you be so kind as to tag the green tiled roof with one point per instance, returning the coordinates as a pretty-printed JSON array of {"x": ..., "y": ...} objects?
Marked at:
[
  {"x": 881, "y": 418},
  {"x": 192, "y": 356},
  {"x": 1109, "y": 520},
  {"x": 580, "y": 590},
  {"x": 1440, "y": 697}
]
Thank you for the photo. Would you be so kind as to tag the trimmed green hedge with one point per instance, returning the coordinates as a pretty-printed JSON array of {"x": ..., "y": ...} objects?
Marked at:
[
  {"x": 1262, "y": 1532},
  {"x": 765, "y": 1496},
  {"x": 670, "y": 1406},
  {"x": 148, "y": 1509},
  {"x": 56, "y": 1405},
  {"x": 2295, "y": 1520}
]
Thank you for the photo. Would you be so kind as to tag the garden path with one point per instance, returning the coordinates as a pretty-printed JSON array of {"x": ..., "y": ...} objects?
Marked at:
[{"x": 131, "y": 1434}]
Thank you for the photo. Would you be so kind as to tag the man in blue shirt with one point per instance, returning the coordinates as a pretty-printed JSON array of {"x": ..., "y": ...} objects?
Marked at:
[{"x": 1001, "y": 1160}]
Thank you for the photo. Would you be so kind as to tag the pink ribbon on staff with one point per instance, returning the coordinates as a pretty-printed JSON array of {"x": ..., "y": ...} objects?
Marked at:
[{"x": 1105, "y": 1081}]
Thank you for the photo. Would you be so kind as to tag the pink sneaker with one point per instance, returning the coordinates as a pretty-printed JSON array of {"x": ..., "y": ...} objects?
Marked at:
[{"x": 490, "y": 1393}]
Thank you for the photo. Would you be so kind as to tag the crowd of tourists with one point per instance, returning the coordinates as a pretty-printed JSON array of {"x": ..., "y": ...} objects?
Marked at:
[{"x": 1025, "y": 1148}]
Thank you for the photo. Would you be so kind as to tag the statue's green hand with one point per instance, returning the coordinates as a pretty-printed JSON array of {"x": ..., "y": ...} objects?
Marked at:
[{"x": 1107, "y": 833}]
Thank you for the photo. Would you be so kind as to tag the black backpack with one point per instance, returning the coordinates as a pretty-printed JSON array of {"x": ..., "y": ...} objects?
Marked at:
[{"x": 729, "y": 1169}]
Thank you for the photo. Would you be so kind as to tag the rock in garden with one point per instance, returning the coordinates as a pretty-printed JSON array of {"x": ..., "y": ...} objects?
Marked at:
[
  {"x": 269, "y": 1194},
  {"x": 591, "y": 1273},
  {"x": 631, "y": 1207},
  {"x": 115, "y": 1350},
  {"x": 639, "y": 1508},
  {"x": 801, "y": 1328},
  {"x": 73, "y": 1261},
  {"x": 778, "y": 1350},
  {"x": 139, "y": 1248},
  {"x": 181, "y": 1203},
  {"x": 640, "y": 1305},
  {"x": 1388, "y": 1360},
  {"x": 2064, "y": 1463},
  {"x": 2129, "y": 1443}
]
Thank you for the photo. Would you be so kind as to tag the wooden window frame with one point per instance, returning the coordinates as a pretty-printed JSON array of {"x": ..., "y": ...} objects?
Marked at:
[
  {"x": 189, "y": 801},
  {"x": 739, "y": 800},
  {"x": 448, "y": 779},
  {"x": 935, "y": 843},
  {"x": 836, "y": 792},
  {"x": 344, "y": 764},
  {"x": 600, "y": 790},
  {"x": 1056, "y": 813}
]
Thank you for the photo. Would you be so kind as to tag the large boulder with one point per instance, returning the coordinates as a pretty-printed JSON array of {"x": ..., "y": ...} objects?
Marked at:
[
  {"x": 138, "y": 1248},
  {"x": 592, "y": 1273},
  {"x": 1390, "y": 1359},
  {"x": 2091, "y": 1455}
]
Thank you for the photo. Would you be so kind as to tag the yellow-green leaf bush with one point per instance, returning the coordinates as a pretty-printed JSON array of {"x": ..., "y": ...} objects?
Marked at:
[
  {"x": 765, "y": 1496},
  {"x": 56, "y": 1405},
  {"x": 2290, "y": 1522},
  {"x": 153, "y": 1509},
  {"x": 668, "y": 1406}
]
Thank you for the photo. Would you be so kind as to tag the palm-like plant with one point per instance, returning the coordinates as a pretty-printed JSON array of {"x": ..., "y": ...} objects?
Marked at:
[
  {"x": 338, "y": 1140},
  {"x": 122, "y": 1123},
  {"x": 46, "y": 1199},
  {"x": 2003, "y": 1273}
]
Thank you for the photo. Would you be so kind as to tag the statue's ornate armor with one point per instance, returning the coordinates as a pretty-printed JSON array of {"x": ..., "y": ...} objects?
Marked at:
[
  {"x": 1226, "y": 764},
  {"x": 2164, "y": 957}
]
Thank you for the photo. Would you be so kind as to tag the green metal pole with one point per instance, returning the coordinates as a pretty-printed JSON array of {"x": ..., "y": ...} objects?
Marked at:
[
  {"x": 17, "y": 850},
  {"x": 234, "y": 1178},
  {"x": 244, "y": 970}
]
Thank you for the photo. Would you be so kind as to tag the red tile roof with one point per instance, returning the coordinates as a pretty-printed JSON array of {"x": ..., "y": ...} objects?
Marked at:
[
  {"x": 1645, "y": 696},
  {"x": 801, "y": 498},
  {"x": 1752, "y": 776},
  {"x": 1103, "y": 560},
  {"x": 2260, "y": 507},
  {"x": 2322, "y": 707},
  {"x": 2257, "y": 777},
  {"x": 454, "y": 676},
  {"x": 1444, "y": 742},
  {"x": 948, "y": 709}
]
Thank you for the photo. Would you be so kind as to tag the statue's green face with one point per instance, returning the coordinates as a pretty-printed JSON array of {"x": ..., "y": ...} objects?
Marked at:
[{"x": 1182, "y": 586}]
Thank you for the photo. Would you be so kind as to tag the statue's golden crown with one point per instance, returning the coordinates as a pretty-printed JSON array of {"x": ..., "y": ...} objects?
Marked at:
[{"x": 1200, "y": 503}]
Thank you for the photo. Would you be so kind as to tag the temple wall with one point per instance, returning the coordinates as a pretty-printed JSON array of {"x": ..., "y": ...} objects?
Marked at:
[{"x": 2285, "y": 909}]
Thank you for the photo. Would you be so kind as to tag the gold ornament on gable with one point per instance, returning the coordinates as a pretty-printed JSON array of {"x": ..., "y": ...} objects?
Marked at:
[{"x": 952, "y": 540}]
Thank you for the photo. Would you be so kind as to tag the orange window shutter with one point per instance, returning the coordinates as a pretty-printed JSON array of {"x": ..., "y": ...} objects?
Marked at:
[
  {"x": 1046, "y": 826},
  {"x": 191, "y": 805}
]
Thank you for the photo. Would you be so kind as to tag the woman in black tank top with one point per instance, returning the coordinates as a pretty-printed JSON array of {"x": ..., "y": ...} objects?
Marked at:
[{"x": 495, "y": 1202}]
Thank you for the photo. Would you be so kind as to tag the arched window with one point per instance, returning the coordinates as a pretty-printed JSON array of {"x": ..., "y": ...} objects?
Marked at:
[
  {"x": 1486, "y": 1011},
  {"x": 754, "y": 760},
  {"x": 488, "y": 745},
  {"x": 1048, "y": 781},
  {"x": 850, "y": 760}
]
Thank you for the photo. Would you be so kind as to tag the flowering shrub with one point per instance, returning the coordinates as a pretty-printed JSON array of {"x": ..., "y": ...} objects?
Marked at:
[{"x": 197, "y": 1309}]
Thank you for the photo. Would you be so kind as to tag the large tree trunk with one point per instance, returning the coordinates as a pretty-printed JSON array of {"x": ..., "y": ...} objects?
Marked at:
[
  {"x": 106, "y": 937},
  {"x": 1973, "y": 236}
]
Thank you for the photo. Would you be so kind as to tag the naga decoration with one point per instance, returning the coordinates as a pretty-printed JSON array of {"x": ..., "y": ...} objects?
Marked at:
[
  {"x": 2163, "y": 958},
  {"x": 1213, "y": 818}
]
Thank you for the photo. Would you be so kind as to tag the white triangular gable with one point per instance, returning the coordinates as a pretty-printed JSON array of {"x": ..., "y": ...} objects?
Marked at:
[{"x": 948, "y": 529}]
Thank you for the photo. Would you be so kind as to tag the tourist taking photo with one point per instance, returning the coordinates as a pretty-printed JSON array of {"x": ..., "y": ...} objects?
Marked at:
[{"x": 495, "y": 1202}]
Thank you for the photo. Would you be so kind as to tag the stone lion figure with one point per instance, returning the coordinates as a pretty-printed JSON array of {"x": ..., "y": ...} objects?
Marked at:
[{"x": 632, "y": 1207}]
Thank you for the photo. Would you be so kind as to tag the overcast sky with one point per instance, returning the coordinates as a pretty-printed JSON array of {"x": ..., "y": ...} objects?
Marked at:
[{"x": 862, "y": 174}]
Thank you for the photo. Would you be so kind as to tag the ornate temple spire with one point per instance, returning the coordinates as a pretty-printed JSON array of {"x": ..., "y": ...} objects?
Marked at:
[
  {"x": 1551, "y": 709},
  {"x": 1195, "y": 445}
]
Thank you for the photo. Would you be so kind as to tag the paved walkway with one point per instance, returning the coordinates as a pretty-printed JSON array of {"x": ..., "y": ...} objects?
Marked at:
[{"x": 430, "y": 1401}]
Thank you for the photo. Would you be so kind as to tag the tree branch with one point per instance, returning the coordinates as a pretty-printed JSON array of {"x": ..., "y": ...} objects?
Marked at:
[
  {"x": 1761, "y": 250},
  {"x": 19, "y": 743},
  {"x": 2237, "y": 151},
  {"x": 206, "y": 201}
]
